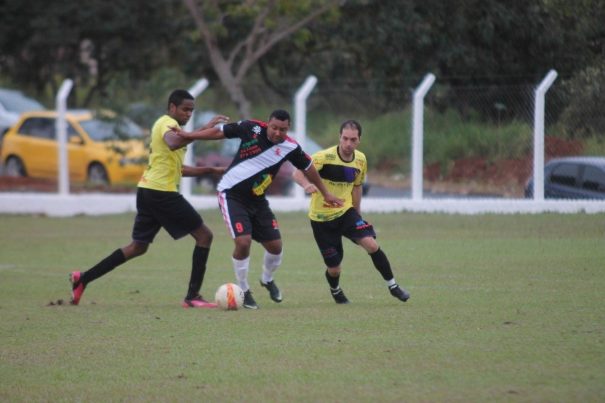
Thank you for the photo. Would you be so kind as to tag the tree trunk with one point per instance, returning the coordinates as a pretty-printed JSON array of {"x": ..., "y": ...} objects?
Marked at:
[{"x": 233, "y": 68}]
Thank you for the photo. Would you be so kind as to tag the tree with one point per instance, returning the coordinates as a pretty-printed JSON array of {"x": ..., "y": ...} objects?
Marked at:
[
  {"x": 44, "y": 42},
  {"x": 238, "y": 34}
]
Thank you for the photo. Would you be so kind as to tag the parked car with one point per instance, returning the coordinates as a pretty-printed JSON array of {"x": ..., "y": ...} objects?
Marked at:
[
  {"x": 282, "y": 183},
  {"x": 12, "y": 104},
  {"x": 101, "y": 148},
  {"x": 572, "y": 178}
]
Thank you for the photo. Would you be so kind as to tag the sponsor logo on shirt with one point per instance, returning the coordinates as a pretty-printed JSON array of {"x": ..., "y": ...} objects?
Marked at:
[{"x": 259, "y": 188}]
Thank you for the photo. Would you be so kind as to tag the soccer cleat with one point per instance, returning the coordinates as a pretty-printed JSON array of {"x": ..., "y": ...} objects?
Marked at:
[
  {"x": 339, "y": 296},
  {"x": 274, "y": 292},
  {"x": 399, "y": 292},
  {"x": 249, "y": 302},
  {"x": 197, "y": 302},
  {"x": 77, "y": 287}
]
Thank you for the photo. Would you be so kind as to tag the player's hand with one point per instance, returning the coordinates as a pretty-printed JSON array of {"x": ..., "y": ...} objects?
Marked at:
[
  {"x": 218, "y": 119},
  {"x": 310, "y": 188},
  {"x": 333, "y": 201}
]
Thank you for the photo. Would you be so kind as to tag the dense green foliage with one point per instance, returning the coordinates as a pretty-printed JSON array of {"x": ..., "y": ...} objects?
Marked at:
[
  {"x": 368, "y": 56},
  {"x": 371, "y": 47},
  {"x": 503, "y": 308}
]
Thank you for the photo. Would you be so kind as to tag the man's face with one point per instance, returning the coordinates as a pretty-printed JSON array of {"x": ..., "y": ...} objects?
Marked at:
[
  {"x": 183, "y": 112},
  {"x": 277, "y": 130},
  {"x": 349, "y": 140}
]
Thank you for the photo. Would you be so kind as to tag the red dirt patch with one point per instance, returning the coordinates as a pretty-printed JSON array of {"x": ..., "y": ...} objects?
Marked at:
[{"x": 466, "y": 176}]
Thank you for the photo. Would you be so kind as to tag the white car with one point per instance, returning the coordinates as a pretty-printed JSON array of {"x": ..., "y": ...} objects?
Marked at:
[{"x": 12, "y": 104}]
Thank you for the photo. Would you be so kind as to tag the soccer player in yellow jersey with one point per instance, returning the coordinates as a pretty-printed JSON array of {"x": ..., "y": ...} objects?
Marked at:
[
  {"x": 342, "y": 169},
  {"x": 159, "y": 204}
]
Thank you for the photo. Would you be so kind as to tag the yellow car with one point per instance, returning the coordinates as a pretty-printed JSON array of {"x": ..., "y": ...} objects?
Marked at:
[{"x": 101, "y": 149}]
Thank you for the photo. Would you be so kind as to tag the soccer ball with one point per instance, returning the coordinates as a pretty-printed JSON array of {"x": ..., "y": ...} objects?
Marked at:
[{"x": 229, "y": 297}]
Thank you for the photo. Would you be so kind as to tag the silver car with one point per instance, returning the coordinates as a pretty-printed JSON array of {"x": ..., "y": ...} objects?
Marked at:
[{"x": 572, "y": 178}]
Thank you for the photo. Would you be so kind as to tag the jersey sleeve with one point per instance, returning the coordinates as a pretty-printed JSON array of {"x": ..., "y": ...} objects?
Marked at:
[
  {"x": 165, "y": 125},
  {"x": 319, "y": 160},
  {"x": 299, "y": 158},
  {"x": 234, "y": 130}
]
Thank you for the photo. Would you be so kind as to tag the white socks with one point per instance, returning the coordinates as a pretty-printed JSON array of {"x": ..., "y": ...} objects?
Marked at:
[
  {"x": 270, "y": 264},
  {"x": 240, "y": 267}
]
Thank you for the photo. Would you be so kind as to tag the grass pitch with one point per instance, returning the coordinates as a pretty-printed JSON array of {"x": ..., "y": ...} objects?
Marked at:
[{"x": 503, "y": 308}]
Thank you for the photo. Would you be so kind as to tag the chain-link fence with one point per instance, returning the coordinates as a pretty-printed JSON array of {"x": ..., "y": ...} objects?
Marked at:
[{"x": 478, "y": 139}]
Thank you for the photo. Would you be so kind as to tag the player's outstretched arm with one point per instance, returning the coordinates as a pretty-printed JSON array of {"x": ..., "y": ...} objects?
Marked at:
[
  {"x": 199, "y": 171},
  {"x": 300, "y": 178},
  {"x": 313, "y": 176},
  {"x": 210, "y": 131}
]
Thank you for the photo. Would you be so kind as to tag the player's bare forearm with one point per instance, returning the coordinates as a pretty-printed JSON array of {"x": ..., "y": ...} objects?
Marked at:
[
  {"x": 300, "y": 178},
  {"x": 212, "y": 133},
  {"x": 313, "y": 176},
  {"x": 199, "y": 171},
  {"x": 356, "y": 196}
]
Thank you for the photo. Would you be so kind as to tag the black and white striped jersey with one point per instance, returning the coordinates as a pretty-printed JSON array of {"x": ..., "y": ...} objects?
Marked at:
[{"x": 257, "y": 160}]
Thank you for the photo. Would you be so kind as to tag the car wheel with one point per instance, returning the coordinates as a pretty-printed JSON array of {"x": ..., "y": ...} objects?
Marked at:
[
  {"x": 97, "y": 175},
  {"x": 14, "y": 167}
]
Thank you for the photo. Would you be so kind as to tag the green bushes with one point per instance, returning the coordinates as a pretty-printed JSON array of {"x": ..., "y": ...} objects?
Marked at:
[{"x": 386, "y": 139}]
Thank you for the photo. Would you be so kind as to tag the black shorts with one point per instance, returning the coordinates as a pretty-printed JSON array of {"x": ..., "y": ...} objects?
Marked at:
[
  {"x": 248, "y": 216},
  {"x": 328, "y": 235},
  {"x": 157, "y": 209}
]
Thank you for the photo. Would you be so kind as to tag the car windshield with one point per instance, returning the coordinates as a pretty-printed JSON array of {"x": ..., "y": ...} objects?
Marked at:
[
  {"x": 14, "y": 101},
  {"x": 120, "y": 129}
]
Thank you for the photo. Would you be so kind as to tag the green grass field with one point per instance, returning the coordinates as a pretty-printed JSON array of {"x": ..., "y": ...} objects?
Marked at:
[{"x": 503, "y": 308}]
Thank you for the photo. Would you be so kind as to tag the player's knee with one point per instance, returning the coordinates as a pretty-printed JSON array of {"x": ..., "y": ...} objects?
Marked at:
[
  {"x": 135, "y": 249},
  {"x": 242, "y": 245},
  {"x": 334, "y": 271},
  {"x": 273, "y": 247},
  {"x": 369, "y": 244},
  {"x": 203, "y": 236}
]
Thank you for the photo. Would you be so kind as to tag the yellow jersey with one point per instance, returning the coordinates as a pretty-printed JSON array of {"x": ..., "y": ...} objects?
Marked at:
[
  {"x": 339, "y": 177},
  {"x": 164, "y": 169}
]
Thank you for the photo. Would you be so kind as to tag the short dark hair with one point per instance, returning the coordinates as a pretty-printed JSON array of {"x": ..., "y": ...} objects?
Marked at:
[
  {"x": 280, "y": 114},
  {"x": 350, "y": 124},
  {"x": 178, "y": 96}
]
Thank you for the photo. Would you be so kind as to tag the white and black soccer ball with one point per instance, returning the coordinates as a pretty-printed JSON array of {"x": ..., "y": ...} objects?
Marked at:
[{"x": 229, "y": 297}]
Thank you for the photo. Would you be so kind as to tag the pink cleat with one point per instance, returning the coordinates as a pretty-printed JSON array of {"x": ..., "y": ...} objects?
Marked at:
[
  {"x": 77, "y": 288},
  {"x": 198, "y": 302}
]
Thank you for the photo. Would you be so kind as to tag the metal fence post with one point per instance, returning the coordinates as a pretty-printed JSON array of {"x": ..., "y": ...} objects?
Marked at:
[
  {"x": 539, "y": 134},
  {"x": 61, "y": 129},
  {"x": 300, "y": 120},
  {"x": 186, "y": 183},
  {"x": 418, "y": 135}
]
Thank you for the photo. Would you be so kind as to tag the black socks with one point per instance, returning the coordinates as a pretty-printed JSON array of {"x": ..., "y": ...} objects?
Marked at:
[
  {"x": 103, "y": 267},
  {"x": 198, "y": 270},
  {"x": 381, "y": 262},
  {"x": 333, "y": 281}
]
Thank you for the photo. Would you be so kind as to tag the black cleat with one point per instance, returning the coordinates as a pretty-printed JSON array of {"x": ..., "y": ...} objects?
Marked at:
[
  {"x": 249, "y": 302},
  {"x": 274, "y": 292},
  {"x": 399, "y": 292},
  {"x": 339, "y": 296}
]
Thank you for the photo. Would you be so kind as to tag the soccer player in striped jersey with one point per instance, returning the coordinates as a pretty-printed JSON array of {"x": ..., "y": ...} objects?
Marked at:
[
  {"x": 343, "y": 169},
  {"x": 264, "y": 147}
]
